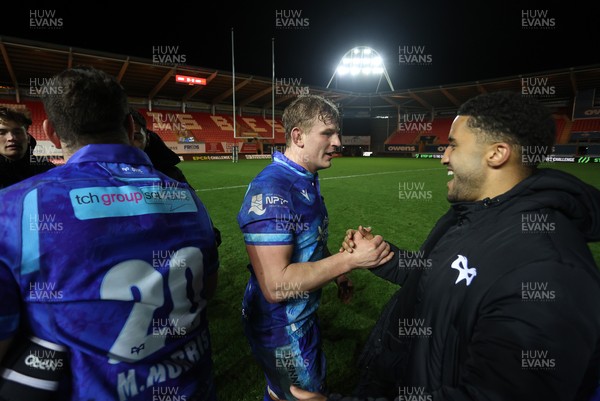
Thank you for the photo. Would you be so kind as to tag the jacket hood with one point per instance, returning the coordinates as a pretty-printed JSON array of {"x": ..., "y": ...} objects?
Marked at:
[
  {"x": 546, "y": 189},
  {"x": 561, "y": 191},
  {"x": 32, "y": 143}
]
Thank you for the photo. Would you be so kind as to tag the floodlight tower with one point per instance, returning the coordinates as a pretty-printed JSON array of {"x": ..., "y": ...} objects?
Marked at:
[{"x": 361, "y": 60}]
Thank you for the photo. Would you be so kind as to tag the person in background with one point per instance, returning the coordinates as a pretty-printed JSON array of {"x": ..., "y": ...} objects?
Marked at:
[
  {"x": 501, "y": 301},
  {"x": 163, "y": 158},
  {"x": 17, "y": 161},
  {"x": 106, "y": 264}
]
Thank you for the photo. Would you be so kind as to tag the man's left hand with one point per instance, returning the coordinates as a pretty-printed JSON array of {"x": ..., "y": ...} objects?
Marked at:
[
  {"x": 304, "y": 395},
  {"x": 345, "y": 288}
]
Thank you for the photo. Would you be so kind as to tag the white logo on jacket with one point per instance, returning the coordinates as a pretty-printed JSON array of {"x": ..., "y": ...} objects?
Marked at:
[{"x": 464, "y": 271}]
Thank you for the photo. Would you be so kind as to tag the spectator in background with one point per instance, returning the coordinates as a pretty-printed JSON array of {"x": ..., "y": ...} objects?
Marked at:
[
  {"x": 501, "y": 302},
  {"x": 99, "y": 267},
  {"x": 163, "y": 158},
  {"x": 17, "y": 161}
]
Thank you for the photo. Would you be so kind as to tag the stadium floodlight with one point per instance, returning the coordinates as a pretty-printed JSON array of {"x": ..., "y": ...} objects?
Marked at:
[{"x": 363, "y": 61}]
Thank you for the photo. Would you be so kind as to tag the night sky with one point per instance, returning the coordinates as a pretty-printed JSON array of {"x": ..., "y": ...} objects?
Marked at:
[{"x": 462, "y": 42}]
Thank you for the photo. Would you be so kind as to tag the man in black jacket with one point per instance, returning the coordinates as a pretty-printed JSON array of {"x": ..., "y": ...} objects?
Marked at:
[
  {"x": 17, "y": 160},
  {"x": 503, "y": 304},
  {"x": 162, "y": 158}
]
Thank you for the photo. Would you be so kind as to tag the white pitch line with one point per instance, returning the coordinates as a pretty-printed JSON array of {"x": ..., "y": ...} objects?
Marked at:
[
  {"x": 381, "y": 173},
  {"x": 220, "y": 188},
  {"x": 331, "y": 178}
]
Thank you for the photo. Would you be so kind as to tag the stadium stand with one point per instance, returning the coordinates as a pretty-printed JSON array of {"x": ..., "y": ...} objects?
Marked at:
[
  {"x": 402, "y": 137},
  {"x": 172, "y": 125},
  {"x": 440, "y": 128},
  {"x": 563, "y": 128},
  {"x": 587, "y": 125}
]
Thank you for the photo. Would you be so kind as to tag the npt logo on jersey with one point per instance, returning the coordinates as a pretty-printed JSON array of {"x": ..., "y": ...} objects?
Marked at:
[
  {"x": 256, "y": 203},
  {"x": 275, "y": 200},
  {"x": 464, "y": 271}
]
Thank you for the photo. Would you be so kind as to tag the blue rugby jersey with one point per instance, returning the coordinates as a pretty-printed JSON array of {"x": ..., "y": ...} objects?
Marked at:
[
  {"x": 107, "y": 256},
  {"x": 283, "y": 206}
]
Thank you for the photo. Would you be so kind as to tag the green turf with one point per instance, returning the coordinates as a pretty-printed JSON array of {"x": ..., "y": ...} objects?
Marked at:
[{"x": 357, "y": 191}]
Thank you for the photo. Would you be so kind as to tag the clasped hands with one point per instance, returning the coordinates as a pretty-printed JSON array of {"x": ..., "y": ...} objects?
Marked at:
[
  {"x": 370, "y": 250},
  {"x": 351, "y": 234}
]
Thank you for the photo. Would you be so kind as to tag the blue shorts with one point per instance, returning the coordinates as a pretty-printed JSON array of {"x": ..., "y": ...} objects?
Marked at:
[{"x": 301, "y": 362}]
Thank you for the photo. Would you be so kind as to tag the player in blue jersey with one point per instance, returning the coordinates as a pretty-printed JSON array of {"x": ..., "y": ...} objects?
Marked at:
[
  {"x": 284, "y": 222},
  {"x": 106, "y": 264}
]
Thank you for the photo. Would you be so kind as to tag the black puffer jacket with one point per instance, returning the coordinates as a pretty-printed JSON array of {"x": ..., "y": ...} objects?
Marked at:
[
  {"x": 501, "y": 304},
  {"x": 12, "y": 172}
]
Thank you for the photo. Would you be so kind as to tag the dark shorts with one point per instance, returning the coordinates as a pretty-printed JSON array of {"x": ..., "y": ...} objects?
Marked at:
[{"x": 301, "y": 362}]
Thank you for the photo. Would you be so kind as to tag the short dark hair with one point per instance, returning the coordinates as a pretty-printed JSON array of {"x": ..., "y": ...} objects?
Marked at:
[
  {"x": 304, "y": 109},
  {"x": 138, "y": 118},
  {"x": 507, "y": 116},
  {"x": 11, "y": 114},
  {"x": 86, "y": 105}
]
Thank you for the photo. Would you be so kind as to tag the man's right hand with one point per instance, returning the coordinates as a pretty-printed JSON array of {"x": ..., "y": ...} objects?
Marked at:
[
  {"x": 348, "y": 244},
  {"x": 369, "y": 253}
]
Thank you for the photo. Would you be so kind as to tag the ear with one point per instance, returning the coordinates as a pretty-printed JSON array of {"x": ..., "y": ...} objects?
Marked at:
[
  {"x": 297, "y": 137},
  {"x": 498, "y": 154},
  {"x": 130, "y": 128},
  {"x": 51, "y": 134}
]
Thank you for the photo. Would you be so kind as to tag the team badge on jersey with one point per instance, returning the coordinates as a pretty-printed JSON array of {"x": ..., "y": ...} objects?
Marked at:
[{"x": 256, "y": 205}]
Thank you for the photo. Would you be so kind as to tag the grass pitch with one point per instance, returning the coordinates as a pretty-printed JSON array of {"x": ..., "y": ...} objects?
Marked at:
[{"x": 400, "y": 198}]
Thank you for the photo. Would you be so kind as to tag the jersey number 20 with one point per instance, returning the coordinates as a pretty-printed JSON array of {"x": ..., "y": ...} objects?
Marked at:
[{"x": 136, "y": 339}]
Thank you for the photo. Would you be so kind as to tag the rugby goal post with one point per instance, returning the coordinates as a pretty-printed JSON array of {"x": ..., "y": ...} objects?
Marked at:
[{"x": 235, "y": 147}]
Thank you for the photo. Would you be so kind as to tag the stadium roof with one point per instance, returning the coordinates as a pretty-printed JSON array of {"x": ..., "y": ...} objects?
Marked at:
[{"x": 25, "y": 63}]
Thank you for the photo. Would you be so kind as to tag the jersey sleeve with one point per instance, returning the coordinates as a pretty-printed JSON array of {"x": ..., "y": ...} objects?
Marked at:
[
  {"x": 211, "y": 252},
  {"x": 211, "y": 260},
  {"x": 10, "y": 295},
  {"x": 9, "y": 304},
  {"x": 265, "y": 215}
]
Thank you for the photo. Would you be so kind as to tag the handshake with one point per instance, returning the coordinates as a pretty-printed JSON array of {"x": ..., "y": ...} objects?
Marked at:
[{"x": 365, "y": 249}]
